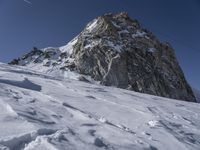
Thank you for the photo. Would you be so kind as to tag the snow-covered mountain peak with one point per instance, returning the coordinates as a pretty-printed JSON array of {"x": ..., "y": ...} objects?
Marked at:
[
  {"x": 116, "y": 51},
  {"x": 118, "y": 25}
]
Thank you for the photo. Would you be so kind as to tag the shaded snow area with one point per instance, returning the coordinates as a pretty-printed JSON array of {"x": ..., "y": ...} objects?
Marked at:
[
  {"x": 41, "y": 112},
  {"x": 197, "y": 94}
]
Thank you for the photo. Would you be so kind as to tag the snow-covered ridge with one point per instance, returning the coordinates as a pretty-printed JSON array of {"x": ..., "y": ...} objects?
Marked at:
[
  {"x": 48, "y": 112},
  {"x": 69, "y": 47},
  {"x": 48, "y": 60},
  {"x": 92, "y": 25}
]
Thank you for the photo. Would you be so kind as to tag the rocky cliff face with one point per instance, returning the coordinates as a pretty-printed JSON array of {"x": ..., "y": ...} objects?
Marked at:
[{"x": 117, "y": 51}]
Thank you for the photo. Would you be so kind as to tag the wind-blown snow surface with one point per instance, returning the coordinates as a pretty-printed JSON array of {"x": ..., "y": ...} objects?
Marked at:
[{"x": 42, "y": 112}]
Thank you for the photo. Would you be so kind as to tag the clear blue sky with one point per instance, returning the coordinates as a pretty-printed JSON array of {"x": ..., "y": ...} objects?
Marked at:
[{"x": 44, "y": 23}]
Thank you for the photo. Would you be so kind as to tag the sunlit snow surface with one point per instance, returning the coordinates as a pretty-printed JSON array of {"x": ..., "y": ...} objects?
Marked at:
[{"x": 43, "y": 112}]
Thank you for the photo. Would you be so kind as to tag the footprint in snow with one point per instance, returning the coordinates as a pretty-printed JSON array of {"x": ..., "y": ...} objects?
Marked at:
[
  {"x": 180, "y": 105},
  {"x": 16, "y": 95},
  {"x": 99, "y": 142},
  {"x": 90, "y": 97},
  {"x": 100, "y": 90},
  {"x": 89, "y": 124},
  {"x": 57, "y": 116},
  {"x": 33, "y": 100},
  {"x": 92, "y": 132}
]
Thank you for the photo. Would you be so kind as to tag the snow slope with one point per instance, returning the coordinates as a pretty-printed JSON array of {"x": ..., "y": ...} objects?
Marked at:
[{"x": 43, "y": 112}]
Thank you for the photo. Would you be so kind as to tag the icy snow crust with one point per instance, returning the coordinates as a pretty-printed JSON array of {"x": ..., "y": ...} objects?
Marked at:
[{"x": 42, "y": 112}]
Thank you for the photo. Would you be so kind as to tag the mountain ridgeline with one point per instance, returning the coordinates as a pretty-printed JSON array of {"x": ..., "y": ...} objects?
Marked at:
[{"x": 117, "y": 51}]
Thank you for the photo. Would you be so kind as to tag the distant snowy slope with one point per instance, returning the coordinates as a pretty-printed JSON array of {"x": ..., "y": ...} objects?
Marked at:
[
  {"x": 40, "y": 112},
  {"x": 51, "y": 60}
]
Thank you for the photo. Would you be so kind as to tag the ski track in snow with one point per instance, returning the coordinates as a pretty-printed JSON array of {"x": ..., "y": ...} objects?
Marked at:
[{"x": 45, "y": 112}]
